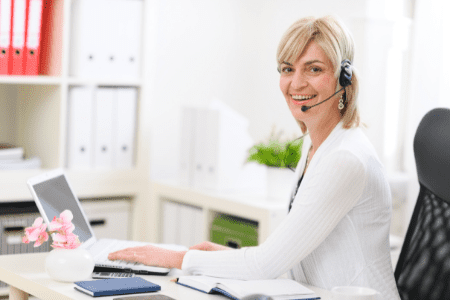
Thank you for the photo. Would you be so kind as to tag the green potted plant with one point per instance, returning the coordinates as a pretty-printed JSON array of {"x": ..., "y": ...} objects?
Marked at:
[{"x": 281, "y": 158}]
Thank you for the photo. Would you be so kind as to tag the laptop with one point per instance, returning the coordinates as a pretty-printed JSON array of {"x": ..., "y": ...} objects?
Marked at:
[{"x": 53, "y": 194}]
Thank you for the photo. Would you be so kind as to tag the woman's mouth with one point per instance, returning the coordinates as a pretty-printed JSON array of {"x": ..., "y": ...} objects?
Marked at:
[{"x": 302, "y": 99}]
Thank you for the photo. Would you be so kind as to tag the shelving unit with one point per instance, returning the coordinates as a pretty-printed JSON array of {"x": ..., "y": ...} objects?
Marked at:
[
  {"x": 33, "y": 115},
  {"x": 268, "y": 213}
]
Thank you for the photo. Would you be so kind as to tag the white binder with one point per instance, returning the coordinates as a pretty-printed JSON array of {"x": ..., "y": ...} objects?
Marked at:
[
  {"x": 88, "y": 60},
  {"x": 106, "y": 38},
  {"x": 197, "y": 237},
  {"x": 201, "y": 132},
  {"x": 127, "y": 36},
  {"x": 124, "y": 142},
  {"x": 188, "y": 118},
  {"x": 186, "y": 225},
  {"x": 170, "y": 224},
  {"x": 212, "y": 150},
  {"x": 225, "y": 148},
  {"x": 80, "y": 122},
  {"x": 104, "y": 127}
]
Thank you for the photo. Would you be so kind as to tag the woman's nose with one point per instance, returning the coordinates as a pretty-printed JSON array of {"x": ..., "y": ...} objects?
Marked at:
[{"x": 298, "y": 80}]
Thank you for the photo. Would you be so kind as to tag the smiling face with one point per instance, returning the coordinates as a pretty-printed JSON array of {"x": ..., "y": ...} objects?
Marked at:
[{"x": 308, "y": 81}]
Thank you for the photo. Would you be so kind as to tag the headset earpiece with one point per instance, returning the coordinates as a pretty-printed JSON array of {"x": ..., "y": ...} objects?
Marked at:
[{"x": 345, "y": 78}]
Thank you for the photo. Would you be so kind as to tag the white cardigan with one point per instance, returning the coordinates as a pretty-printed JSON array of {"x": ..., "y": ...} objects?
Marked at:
[{"x": 337, "y": 232}]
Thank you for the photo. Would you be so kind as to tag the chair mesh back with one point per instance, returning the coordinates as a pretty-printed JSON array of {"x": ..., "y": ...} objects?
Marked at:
[{"x": 423, "y": 270}]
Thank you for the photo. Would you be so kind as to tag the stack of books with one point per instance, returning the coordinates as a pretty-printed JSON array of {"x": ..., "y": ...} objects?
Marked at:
[{"x": 12, "y": 158}]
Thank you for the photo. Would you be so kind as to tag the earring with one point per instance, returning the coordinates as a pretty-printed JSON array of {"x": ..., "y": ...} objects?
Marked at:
[{"x": 341, "y": 104}]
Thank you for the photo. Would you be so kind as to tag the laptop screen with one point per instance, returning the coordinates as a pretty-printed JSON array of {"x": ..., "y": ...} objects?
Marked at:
[{"x": 56, "y": 196}]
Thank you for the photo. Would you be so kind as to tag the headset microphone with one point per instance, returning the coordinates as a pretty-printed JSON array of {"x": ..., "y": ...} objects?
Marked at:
[
  {"x": 305, "y": 108},
  {"x": 345, "y": 79}
]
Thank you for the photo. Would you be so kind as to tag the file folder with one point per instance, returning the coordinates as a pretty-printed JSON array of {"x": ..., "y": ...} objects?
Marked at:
[
  {"x": 87, "y": 38},
  {"x": 33, "y": 37},
  {"x": 106, "y": 44},
  {"x": 188, "y": 118},
  {"x": 126, "y": 127},
  {"x": 201, "y": 140},
  {"x": 170, "y": 222},
  {"x": 17, "y": 37},
  {"x": 5, "y": 34},
  {"x": 104, "y": 122},
  {"x": 127, "y": 36},
  {"x": 80, "y": 133}
]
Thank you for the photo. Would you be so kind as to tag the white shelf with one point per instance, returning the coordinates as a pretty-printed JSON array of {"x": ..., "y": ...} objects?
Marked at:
[
  {"x": 31, "y": 80},
  {"x": 54, "y": 80},
  {"x": 105, "y": 82},
  {"x": 87, "y": 184}
]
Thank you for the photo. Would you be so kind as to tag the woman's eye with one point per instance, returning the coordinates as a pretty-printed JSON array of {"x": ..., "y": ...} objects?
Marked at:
[
  {"x": 286, "y": 70},
  {"x": 315, "y": 69}
]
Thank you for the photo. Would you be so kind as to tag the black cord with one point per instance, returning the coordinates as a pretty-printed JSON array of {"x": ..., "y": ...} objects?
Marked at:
[{"x": 290, "y": 143}]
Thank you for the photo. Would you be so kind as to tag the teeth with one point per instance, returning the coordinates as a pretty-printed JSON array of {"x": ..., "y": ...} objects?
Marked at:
[{"x": 302, "y": 97}]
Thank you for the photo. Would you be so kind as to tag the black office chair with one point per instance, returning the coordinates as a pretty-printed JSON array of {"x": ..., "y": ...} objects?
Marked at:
[{"x": 423, "y": 268}]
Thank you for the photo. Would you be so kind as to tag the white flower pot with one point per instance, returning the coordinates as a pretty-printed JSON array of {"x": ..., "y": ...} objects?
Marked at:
[
  {"x": 69, "y": 265},
  {"x": 279, "y": 184}
]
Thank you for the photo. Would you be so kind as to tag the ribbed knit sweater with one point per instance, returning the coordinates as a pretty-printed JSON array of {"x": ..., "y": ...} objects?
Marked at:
[{"x": 337, "y": 232}]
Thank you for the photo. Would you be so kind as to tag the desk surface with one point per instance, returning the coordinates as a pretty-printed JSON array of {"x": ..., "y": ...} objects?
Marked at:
[{"x": 26, "y": 272}]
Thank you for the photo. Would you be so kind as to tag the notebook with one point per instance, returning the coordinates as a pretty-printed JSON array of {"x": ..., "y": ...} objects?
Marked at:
[
  {"x": 276, "y": 289},
  {"x": 53, "y": 194},
  {"x": 118, "y": 286}
]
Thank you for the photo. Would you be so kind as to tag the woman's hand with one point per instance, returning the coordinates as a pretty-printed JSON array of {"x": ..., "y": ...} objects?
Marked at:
[
  {"x": 209, "y": 246},
  {"x": 151, "y": 256}
]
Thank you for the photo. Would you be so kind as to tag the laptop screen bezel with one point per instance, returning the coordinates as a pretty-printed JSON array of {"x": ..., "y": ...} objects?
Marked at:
[{"x": 31, "y": 182}]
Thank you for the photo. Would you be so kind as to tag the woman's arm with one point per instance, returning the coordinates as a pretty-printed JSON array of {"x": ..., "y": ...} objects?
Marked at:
[{"x": 329, "y": 191}]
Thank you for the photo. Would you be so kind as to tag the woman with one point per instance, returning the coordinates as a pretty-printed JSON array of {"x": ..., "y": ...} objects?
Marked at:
[{"x": 336, "y": 232}]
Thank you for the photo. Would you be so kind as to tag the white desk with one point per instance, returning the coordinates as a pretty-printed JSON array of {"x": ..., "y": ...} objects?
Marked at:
[{"x": 25, "y": 274}]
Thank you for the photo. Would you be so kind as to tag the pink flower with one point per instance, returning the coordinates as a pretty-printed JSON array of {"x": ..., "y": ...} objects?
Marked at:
[
  {"x": 36, "y": 233},
  {"x": 63, "y": 224},
  {"x": 43, "y": 237},
  {"x": 69, "y": 241},
  {"x": 61, "y": 228}
]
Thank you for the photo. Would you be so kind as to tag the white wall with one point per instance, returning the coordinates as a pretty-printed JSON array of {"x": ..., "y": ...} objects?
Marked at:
[{"x": 226, "y": 49}]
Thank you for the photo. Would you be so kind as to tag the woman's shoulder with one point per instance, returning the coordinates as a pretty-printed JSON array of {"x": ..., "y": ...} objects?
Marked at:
[{"x": 355, "y": 142}]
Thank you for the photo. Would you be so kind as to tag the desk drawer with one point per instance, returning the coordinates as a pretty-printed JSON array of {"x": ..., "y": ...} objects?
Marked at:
[
  {"x": 14, "y": 218},
  {"x": 109, "y": 218}
]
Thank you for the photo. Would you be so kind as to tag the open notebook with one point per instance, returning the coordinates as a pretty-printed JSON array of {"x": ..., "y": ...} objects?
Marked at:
[
  {"x": 53, "y": 194},
  {"x": 276, "y": 289}
]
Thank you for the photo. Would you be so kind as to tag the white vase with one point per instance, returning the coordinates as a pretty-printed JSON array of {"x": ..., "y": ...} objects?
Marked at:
[
  {"x": 69, "y": 265},
  {"x": 279, "y": 184}
]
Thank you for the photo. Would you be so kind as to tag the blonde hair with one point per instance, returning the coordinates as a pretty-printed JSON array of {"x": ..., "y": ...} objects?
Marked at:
[{"x": 337, "y": 43}]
